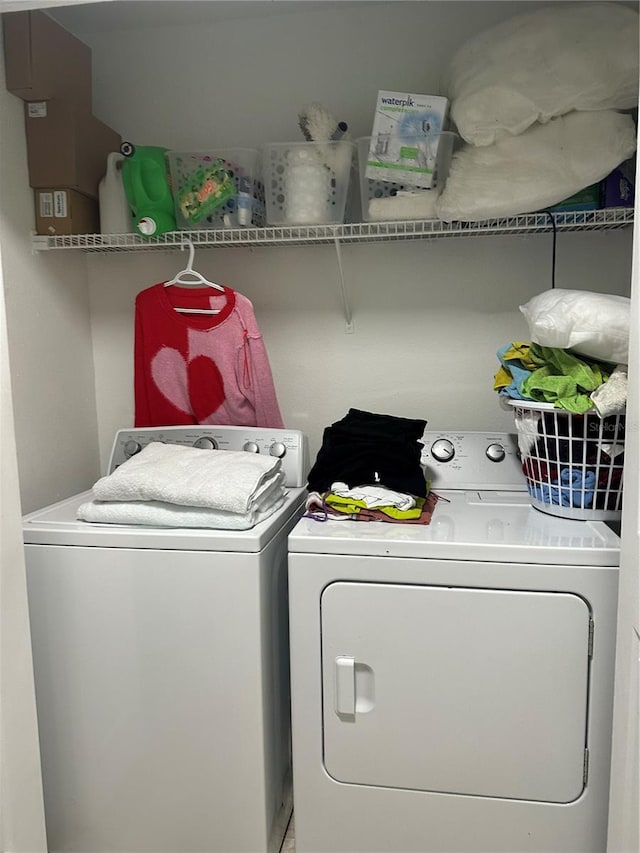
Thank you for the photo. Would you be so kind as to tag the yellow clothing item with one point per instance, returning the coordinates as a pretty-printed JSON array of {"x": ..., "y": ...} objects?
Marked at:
[
  {"x": 521, "y": 351},
  {"x": 351, "y": 506},
  {"x": 518, "y": 352},
  {"x": 502, "y": 379}
]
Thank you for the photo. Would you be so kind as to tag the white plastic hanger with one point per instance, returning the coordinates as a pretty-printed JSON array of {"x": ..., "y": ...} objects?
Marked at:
[{"x": 189, "y": 276}]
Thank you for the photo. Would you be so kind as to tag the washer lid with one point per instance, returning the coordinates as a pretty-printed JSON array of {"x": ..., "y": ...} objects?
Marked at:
[
  {"x": 58, "y": 525},
  {"x": 493, "y": 526}
]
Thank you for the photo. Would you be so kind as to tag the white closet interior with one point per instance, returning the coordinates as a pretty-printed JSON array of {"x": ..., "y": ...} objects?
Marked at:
[{"x": 428, "y": 315}]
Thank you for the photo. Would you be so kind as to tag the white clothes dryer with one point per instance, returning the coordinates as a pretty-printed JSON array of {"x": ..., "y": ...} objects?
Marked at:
[
  {"x": 452, "y": 683},
  {"x": 162, "y": 671}
]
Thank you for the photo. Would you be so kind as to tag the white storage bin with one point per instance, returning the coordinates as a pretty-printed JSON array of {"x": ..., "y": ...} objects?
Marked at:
[
  {"x": 217, "y": 189},
  {"x": 573, "y": 464},
  {"x": 306, "y": 183},
  {"x": 402, "y": 177}
]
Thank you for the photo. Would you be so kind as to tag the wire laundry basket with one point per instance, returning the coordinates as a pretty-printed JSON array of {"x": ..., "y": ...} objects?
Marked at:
[{"x": 572, "y": 464}]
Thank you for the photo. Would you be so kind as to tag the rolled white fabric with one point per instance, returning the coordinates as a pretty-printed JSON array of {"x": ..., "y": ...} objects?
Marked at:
[
  {"x": 541, "y": 64},
  {"x": 541, "y": 167},
  {"x": 419, "y": 205},
  {"x": 307, "y": 187},
  {"x": 611, "y": 397}
]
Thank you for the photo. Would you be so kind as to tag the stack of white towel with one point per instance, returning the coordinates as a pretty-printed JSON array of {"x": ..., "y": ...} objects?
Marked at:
[{"x": 169, "y": 485}]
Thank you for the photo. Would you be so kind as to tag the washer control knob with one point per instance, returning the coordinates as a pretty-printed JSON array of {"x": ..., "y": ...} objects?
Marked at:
[
  {"x": 495, "y": 452},
  {"x": 443, "y": 450},
  {"x": 251, "y": 447},
  {"x": 132, "y": 447},
  {"x": 277, "y": 449},
  {"x": 205, "y": 443}
]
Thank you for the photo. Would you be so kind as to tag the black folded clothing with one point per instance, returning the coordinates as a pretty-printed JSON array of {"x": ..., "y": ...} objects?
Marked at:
[
  {"x": 366, "y": 448},
  {"x": 358, "y": 422}
]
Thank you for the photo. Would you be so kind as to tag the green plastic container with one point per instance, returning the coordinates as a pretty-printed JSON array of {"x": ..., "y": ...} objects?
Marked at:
[{"x": 146, "y": 185}]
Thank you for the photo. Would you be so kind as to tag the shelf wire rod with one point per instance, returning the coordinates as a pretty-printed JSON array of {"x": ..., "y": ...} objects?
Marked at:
[{"x": 345, "y": 298}]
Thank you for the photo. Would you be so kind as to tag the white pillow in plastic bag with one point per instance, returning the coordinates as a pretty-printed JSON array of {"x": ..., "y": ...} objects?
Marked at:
[
  {"x": 543, "y": 166},
  {"x": 595, "y": 325},
  {"x": 541, "y": 64}
]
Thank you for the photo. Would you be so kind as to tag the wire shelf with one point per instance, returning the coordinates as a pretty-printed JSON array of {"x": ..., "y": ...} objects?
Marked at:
[{"x": 356, "y": 232}]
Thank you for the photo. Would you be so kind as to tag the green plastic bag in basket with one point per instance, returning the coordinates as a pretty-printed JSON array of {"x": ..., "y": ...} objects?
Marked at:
[{"x": 206, "y": 189}]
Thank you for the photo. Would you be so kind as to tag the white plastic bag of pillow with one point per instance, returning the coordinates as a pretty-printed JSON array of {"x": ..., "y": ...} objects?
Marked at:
[
  {"x": 542, "y": 64},
  {"x": 543, "y": 166},
  {"x": 595, "y": 325}
]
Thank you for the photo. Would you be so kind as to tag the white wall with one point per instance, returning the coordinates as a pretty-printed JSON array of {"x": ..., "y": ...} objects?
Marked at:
[
  {"x": 624, "y": 812},
  {"x": 47, "y": 307},
  {"x": 22, "y": 828},
  {"x": 242, "y": 82}
]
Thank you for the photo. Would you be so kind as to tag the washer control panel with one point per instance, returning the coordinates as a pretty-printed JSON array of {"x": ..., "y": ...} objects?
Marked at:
[
  {"x": 472, "y": 460},
  {"x": 288, "y": 445}
]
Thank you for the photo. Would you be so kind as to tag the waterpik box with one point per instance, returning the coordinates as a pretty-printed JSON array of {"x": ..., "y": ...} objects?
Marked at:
[
  {"x": 384, "y": 201},
  {"x": 405, "y": 138}
]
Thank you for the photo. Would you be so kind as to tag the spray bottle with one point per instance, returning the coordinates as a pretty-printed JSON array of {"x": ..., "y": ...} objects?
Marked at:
[{"x": 244, "y": 201}]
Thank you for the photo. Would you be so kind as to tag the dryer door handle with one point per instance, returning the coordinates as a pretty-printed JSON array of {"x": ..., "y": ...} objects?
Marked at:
[{"x": 345, "y": 686}]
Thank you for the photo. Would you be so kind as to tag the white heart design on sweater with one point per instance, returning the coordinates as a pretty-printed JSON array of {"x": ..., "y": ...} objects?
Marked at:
[
  {"x": 190, "y": 386},
  {"x": 169, "y": 372}
]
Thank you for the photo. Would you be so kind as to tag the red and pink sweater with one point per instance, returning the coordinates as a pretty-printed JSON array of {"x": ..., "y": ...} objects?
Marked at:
[{"x": 197, "y": 368}]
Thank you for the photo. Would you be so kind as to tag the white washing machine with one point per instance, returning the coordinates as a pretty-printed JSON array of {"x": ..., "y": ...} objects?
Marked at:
[
  {"x": 161, "y": 670},
  {"x": 452, "y": 683}
]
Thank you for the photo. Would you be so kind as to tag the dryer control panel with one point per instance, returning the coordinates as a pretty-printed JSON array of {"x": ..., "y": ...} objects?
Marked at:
[
  {"x": 288, "y": 445},
  {"x": 472, "y": 460}
]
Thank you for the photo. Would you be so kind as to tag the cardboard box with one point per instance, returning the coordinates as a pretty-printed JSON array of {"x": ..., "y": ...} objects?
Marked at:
[
  {"x": 43, "y": 60},
  {"x": 67, "y": 147},
  {"x": 405, "y": 138},
  {"x": 65, "y": 211}
]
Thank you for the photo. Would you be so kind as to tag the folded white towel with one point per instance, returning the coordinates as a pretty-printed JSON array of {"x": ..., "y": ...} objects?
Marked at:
[
  {"x": 219, "y": 479},
  {"x": 159, "y": 514}
]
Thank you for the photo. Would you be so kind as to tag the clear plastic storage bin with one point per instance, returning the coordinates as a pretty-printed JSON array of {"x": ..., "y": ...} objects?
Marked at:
[
  {"x": 217, "y": 189},
  {"x": 572, "y": 464},
  {"x": 401, "y": 177},
  {"x": 306, "y": 183}
]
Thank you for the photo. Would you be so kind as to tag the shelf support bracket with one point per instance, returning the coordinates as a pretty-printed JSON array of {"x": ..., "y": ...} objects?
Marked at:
[{"x": 343, "y": 287}]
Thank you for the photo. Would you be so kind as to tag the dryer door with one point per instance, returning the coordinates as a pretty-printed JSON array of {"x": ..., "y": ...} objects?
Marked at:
[{"x": 467, "y": 691}]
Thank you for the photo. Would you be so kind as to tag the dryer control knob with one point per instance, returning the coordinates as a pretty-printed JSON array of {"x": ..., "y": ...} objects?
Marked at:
[
  {"x": 443, "y": 450},
  {"x": 495, "y": 452},
  {"x": 277, "y": 449},
  {"x": 251, "y": 447},
  {"x": 205, "y": 443},
  {"x": 132, "y": 447}
]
